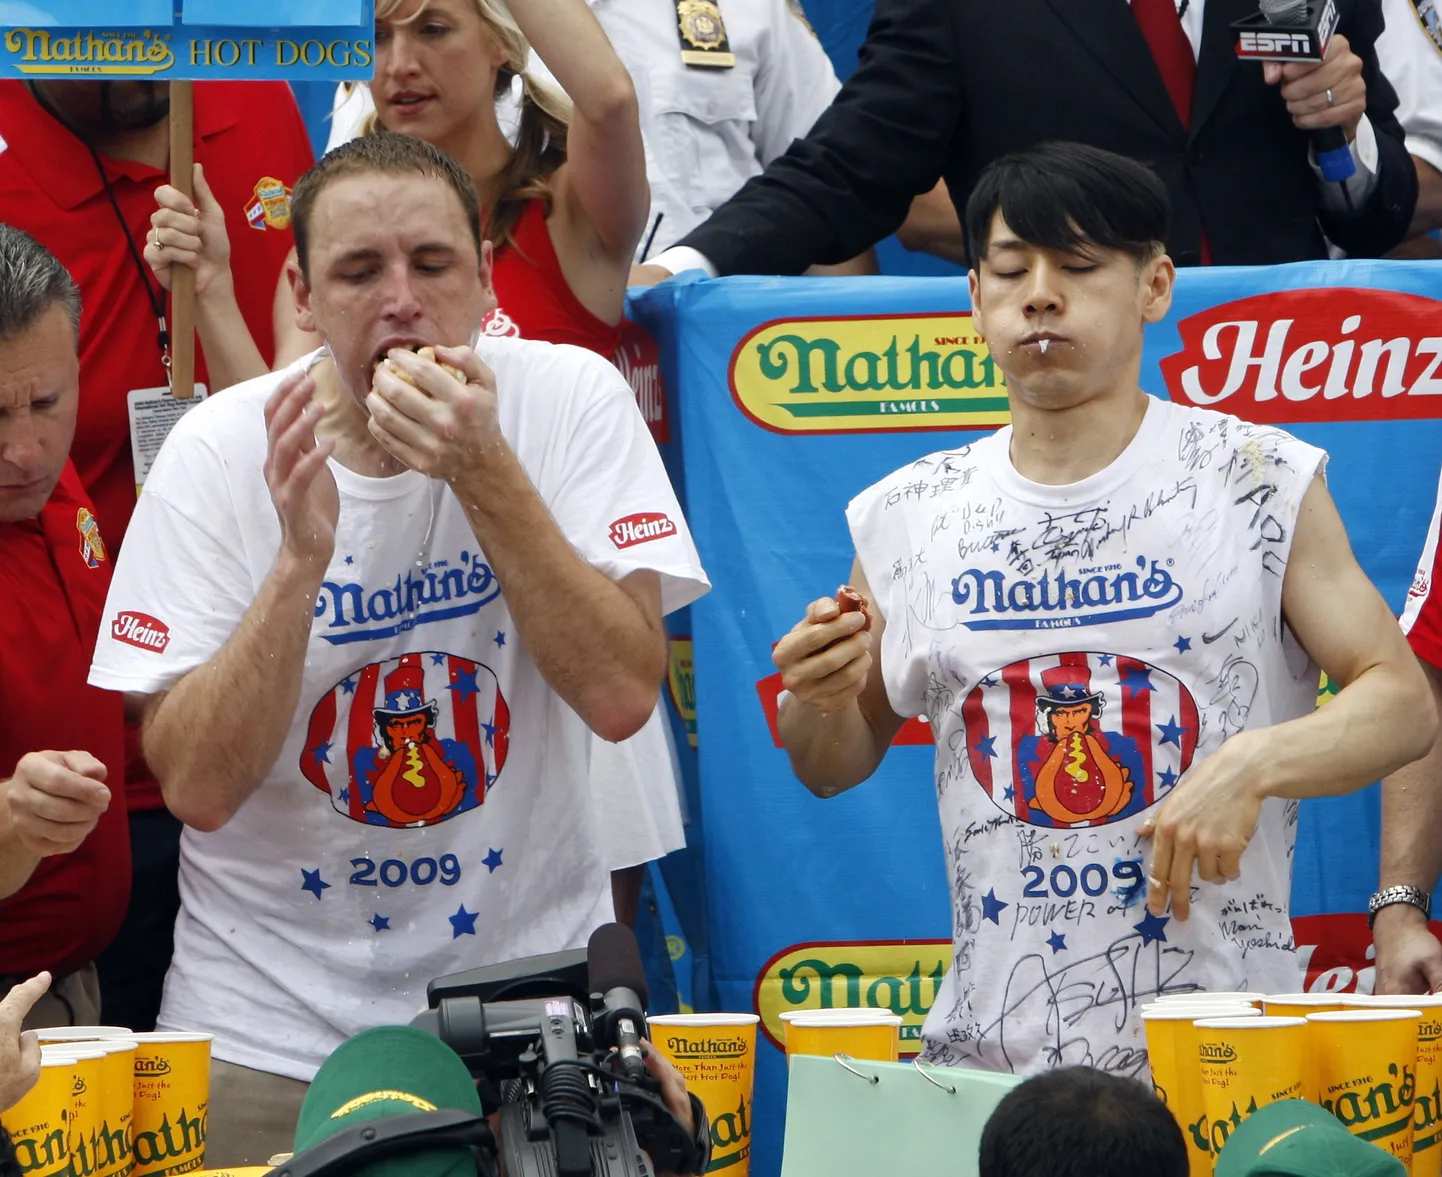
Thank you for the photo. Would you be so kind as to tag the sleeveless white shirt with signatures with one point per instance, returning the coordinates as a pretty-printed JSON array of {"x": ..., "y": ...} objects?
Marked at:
[{"x": 1076, "y": 649}]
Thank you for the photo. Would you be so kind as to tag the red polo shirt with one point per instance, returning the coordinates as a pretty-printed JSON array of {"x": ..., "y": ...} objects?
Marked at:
[
  {"x": 248, "y": 136},
  {"x": 54, "y": 573}
]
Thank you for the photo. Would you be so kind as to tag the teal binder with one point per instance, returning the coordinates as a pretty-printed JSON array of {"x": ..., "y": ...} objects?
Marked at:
[{"x": 848, "y": 1118}]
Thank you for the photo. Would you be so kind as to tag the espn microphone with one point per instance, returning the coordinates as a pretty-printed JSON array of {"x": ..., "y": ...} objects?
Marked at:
[
  {"x": 613, "y": 962},
  {"x": 1299, "y": 30}
]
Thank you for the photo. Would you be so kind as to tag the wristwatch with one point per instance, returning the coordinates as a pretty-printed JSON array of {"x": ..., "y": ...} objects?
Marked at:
[{"x": 1417, "y": 897}]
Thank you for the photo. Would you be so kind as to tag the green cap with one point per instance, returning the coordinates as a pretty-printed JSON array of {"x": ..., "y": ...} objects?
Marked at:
[
  {"x": 389, "y": 1071},
  {"x": 1294, "y": 1138}
]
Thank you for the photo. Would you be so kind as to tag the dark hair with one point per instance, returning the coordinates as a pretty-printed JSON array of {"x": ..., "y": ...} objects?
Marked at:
[
  {"x": 32, "y": 280},
  {"x": 9, "y": 1162},
  {"x": 1066, "y": 196},
  {"x": 384, "y": 153},
  {"x": 1080, "y": 1122}
]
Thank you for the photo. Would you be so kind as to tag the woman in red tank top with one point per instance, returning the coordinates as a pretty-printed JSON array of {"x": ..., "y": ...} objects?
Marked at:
[{"x": 564, "y": 206}]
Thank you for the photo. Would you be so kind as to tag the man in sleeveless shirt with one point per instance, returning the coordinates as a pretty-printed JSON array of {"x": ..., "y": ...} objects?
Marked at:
[{"x": 1112, "y": 614}]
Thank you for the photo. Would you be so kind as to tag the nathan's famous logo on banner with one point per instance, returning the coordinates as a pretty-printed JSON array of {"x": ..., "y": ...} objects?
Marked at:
[
  {"x": 902, "y": 976},
  {"x": 136, "y": 53},
  {"x": 864, "y": 374},
  {"x": 408, "y": 742},
  {"x": 1324, "y": 354}
]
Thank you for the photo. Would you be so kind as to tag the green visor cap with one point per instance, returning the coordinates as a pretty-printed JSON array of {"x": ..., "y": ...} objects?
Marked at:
[
  {"x": 1294, "y": 1138},
  {"x": 389, "y": 1071}
]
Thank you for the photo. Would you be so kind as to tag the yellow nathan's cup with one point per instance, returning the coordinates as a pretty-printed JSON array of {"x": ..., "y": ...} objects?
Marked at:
[
  {"x": 54, "y": 1034},
  {"x": 1206, "y": 995},
  {"x": 716, "y": 1055},
  {"x": 110, "y": 1142},
  {"x": 1247, "y": 1063},
  {"x": 1300, "y": 1005},
  {"x": 1367, "y": 1072},
  {"x": 39, "y": 1123},
  {"x": 1176, "y": 1078},
  {"x": 86, "y": 1092},
  {"x": 172, "y": 1102},
  {"x": 861, "y": 1033},
  {"x": 1426, "y": 1113}
]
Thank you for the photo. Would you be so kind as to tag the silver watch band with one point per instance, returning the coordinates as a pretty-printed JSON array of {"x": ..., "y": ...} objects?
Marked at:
[{"x": 1414, "y": 896}]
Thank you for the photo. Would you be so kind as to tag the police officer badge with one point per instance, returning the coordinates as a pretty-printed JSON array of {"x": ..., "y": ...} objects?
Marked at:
[{"x": 703, "y": 34}]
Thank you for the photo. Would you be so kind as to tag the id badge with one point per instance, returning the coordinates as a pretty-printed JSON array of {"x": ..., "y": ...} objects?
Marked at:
[{"x": 153, "y": 414}]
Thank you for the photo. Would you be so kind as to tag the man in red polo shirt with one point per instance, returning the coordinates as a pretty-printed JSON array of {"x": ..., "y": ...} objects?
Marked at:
[
  {"x": 79, "y": 166},
  {"x": 64, "y": 853}
]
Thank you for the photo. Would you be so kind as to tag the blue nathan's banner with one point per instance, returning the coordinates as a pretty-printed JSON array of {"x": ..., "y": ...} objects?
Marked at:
[
  {"x": 787, "y": 398},
  {"x": 216, "y": 40}
]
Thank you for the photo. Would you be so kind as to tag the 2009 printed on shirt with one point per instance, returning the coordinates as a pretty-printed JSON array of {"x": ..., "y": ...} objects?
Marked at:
[{"x": 394, "y": 872}]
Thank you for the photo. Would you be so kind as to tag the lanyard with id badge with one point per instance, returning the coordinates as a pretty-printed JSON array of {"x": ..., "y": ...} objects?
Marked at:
[{"x": 152, "y": 412}]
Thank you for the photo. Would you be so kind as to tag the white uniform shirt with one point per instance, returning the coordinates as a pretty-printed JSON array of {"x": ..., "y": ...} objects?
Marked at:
[
  {"x": 1075, "y": 650},
  {"x": 1410, "y": 52},
  {"x": 706, "y": 131},
  {"x": 430, "y": 808}
]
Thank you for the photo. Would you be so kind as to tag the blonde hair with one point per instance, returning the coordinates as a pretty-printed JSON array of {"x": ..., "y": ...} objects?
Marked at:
[{"x": 540, "y": 146}]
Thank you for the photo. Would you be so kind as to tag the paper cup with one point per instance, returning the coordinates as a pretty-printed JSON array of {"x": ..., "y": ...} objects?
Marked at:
[
  {"x": 1426, "y": 1116},
  {"x": 1176, "y": 1078},
  {"x": 864, "y": 1035},
  {"x": 1247, "y": 1063},
  {"x": 716, "y": 1055},
  {"x": 1204, "y": 995},
  {"x": 111, "y": 1143},
  {"x": 172, "y": 1101},
  {"x": 87, "y": 1096},
  {"x": 38, "y": 1123},
  {"x": 81, "y": 1033},
  {"x": 1367, "y": 1073},
  {"x": 1299, "y": 1005}
]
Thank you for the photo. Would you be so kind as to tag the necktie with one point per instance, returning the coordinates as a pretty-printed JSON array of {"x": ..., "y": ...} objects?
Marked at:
[{"x": 1162, "y": 28}]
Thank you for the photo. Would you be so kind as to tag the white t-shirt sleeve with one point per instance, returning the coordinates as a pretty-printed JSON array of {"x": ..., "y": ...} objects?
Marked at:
[
  {"x": 180, "y": 585},
  {"x": 614, "y": 501},
  {"x": 794, "y": 84}
]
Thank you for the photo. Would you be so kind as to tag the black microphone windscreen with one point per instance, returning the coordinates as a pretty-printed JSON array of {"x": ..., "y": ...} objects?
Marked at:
[{"x": 613, "y": 961}]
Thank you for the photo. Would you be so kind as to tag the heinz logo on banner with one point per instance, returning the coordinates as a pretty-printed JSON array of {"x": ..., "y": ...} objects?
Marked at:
[
  {"x": 868, "y": 374},
  {"x": 1329, "y": 354}
]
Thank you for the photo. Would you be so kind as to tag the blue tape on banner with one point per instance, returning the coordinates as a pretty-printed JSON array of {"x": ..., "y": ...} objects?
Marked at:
[
  {"x": 275, "y": 13},
  {"x": 51, "y": 14}
]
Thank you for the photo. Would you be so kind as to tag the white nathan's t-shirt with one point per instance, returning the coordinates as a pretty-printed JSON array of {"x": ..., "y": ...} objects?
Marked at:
[
  {"x": 1076, "y": 649},
  {"x": 429, "y": 811}
]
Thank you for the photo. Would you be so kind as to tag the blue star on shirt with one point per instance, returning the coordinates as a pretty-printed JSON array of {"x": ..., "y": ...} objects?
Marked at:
[
  {"x": 1008, "y": 793},
  {"x": 490, "y": 729},
  {"x": 465, "y": 686},
  {"x": 991, "y": 907},
  {"x": 1153, "y": 928},
  {"x": 1166, "y": 778},
  {"x": 491, "y": 778},
  {"x": 321, "y": 752},
  {"x": 1183, "y": 644},
  {"x": 1105, "y": 659},
  {"x": 438, "y": 659},
  {"x": 313, "y": 882},
  {"x": 985, "y": 747},
  {"x": 348, "y": 686},
  {"x": 988, "y": 681},
  {"x": 463, "y": 923},
  {"x": 1171, "y": 732},
  {"x": 1056, "y": 941},
  {"x": 350, "y": 559},
  {"x": 1136, "y": 679},
  {"x": 492, "y": 860},
  {"x": 380, "y": 923},
  {"x": 500, "y": 638},
  {"x": 343, "y": 796}
]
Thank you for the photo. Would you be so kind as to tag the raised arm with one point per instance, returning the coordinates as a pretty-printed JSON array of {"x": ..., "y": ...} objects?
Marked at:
[
  {"x": 1382, "y": 718},
  {"x": 836, "y": 723},
  {"x": 245, "y": 697},
  {"x": 601, "y": 190}
]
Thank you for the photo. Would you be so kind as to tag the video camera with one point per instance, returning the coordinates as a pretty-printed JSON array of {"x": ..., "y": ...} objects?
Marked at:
[{"x": 554, "y": 1045}]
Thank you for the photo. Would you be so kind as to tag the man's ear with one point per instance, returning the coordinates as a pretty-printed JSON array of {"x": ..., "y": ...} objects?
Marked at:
[
  {"x": 974, "y": 283},
  {"x": 1157, "y": 279},
  {"x": 300, "y": 292},
  {"x": 487, "y": 270}
]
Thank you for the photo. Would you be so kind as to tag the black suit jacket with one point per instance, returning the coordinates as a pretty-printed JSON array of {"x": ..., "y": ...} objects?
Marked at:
[{"x": 945, "y": 86}]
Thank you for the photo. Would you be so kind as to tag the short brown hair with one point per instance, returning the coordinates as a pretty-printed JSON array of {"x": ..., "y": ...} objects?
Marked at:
[{"x": 384, "y": 153}]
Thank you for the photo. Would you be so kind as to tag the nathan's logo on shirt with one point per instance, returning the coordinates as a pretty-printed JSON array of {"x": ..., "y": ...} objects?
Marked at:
[
  {"x": 142, "y": 630},
  {"x": 409, "y": 742},
  {"x": 641, "y": 529},
  {"x": 1058, "y": 601},
  {"x": 92, "y": 547},
  {"x": 270, "y": 208},
  {"x": 440, "y": 592},
  {"x": 868, "y": 374},
  {"x": 1329, "y": 354},
  {"x": 1081, "y": 739}
]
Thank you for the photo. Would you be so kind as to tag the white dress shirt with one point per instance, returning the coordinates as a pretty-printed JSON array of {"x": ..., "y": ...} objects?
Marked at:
[{"x": 1410, "y": 50}]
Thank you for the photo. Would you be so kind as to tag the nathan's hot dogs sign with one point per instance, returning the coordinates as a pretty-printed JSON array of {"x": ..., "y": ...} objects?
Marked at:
[{"x": 157, "y": 40}]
